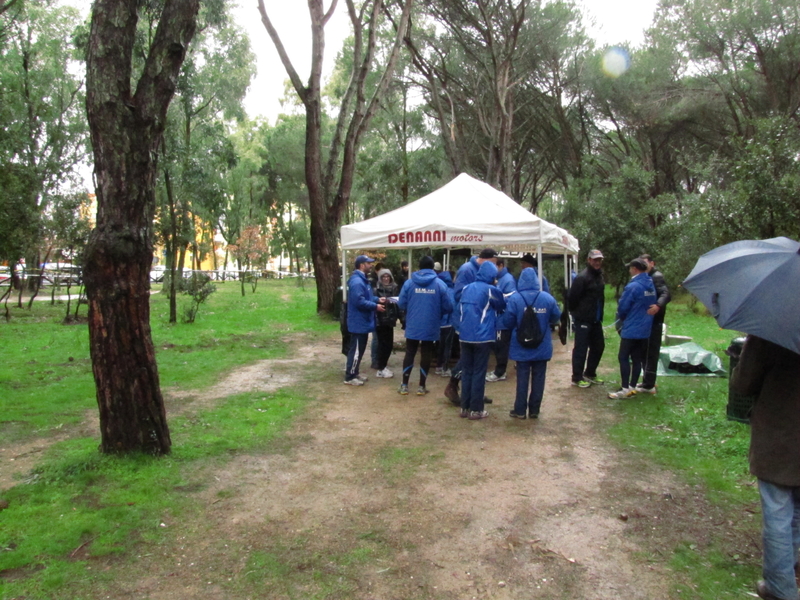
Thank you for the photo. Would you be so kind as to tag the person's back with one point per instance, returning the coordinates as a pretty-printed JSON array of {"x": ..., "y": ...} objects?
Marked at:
[
  {"x": 771, "y": 373},
  {"x": 425, "y": 299},
  {"x": 586, "y": 296},
  {"x": 479, "y": 302},
  {"x": 637, "y": 297}
]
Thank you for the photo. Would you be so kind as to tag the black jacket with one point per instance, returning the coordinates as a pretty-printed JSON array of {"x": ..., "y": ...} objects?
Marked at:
[
  {"x": 662, "y": 294},
  {"x": 586, "y": 296}
]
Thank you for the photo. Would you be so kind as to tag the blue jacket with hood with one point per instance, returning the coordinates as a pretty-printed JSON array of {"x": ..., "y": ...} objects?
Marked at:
[
  {"x": 507, "y": 285},
  {"x": 467, "y": 273},
  {"x": 361, "y": 304},
  {"x": 424, "y": 298},
  {"x": 639, "y": 294},
  {"x": 480, "y": 302},
  {"x": 447, "y": 318},
  {"x": 547, "y": 312}
]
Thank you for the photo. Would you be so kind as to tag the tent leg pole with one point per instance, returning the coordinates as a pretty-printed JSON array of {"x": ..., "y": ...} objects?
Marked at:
[{"x": 344, "y": 275}]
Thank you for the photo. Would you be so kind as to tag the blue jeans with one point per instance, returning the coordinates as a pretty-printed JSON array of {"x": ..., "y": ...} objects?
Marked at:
[
  {"x": 446, "y": 335},
  {"x": 530, "y": 372},
  {"x": 780, "y": 507},
  {"x": 358, "y": 344},
  {"x": 501, "y": 347},
  {"x": 474, "y": 359}
]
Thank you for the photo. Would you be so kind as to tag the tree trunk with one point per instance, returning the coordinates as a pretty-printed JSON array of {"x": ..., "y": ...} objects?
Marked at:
[{"x": 126, "y": 128}]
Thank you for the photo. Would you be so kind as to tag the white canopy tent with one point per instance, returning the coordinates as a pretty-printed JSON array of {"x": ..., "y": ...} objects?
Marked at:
[{"x": 463, "y": 213}]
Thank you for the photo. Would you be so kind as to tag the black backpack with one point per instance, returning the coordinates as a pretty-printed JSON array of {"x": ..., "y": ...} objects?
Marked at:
[{"x": 529, "y": 332}]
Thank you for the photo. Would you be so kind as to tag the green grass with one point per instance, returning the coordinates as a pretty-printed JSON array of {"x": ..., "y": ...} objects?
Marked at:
[
  {"x": 684, "y": 428},
  {"x": 48, "y": 383},
  {"x": 78, "y": 505}
]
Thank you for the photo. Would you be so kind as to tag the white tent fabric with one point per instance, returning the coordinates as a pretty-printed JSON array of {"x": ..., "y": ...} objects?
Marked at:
[{"x": 464, "y": 213}]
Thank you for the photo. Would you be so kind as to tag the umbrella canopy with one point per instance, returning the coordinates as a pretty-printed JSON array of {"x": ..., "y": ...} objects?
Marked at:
[{"x": 752, "y": 286}]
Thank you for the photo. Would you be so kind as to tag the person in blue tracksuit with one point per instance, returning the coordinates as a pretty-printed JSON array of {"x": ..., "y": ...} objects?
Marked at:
[
  {"x": 446, "y": 330},
  {"x": 531, "y": 362},
  {"x": 425, "y": 299},
  {"x": 632, "y": 312},
  {"x": 480, "y": 303},
  {"x": 508, "y": 285},
  {"x": 362, "y": 305},
  {"x": 467, "y": 273}
]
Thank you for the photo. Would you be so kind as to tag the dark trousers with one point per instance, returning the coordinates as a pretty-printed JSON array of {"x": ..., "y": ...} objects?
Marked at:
[
  {"x": 652, "y": 356},
  {"x": 474, "y": 360},
  {"x": 530, "y": 386},
  {"x": 424, "y": 363},
  {"x": 358, "y": 344},
  {"x": 446, "y": 335},
  {"x": 631, "y": 358},
  {"x": 588, "y": 349},
  {"x": 501, "y": 347},
  {"x": 385, "y": 337}
]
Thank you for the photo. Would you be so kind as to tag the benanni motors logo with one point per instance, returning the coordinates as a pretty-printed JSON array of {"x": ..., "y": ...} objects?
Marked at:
[{"x": 439, "y": 235}]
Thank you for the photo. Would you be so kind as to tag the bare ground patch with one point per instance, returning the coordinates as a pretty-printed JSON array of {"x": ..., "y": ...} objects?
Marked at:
[{"x": 381, "y": 496}]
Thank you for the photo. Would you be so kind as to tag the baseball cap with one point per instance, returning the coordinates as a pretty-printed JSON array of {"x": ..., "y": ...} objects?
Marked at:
[
  {"x": 487, "y": 253},
  {"x": 360, "y": 260},
  {"x": 595, "y": 254},
  {"x": 638, "y": 263},
  {"x": 528, "y": 258}
]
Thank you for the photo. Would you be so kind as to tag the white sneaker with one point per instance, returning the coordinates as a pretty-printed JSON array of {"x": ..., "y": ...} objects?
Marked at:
[
  {"x": 438, "y": 370},
  {"x": 640, "y": 389},
  {"x": 353, "y": 381},
  {"x": 446, "y": 373},
  {"x": 363, "y": 378},
  {"x": 492, "y": 377},
  {"x": 385, "y": 373},
  {"x": 623, "y": 393}
]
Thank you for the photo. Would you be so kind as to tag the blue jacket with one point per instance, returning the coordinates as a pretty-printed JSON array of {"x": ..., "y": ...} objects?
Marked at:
[
  {"x": 480, "y": 301},
  {"x": 507, "y": 285},
  {"x": 547, "y": 312},
  {"x": 467, "y": 273},
  {"x": 447, "y": 318},
  {"x": 639, "y": 294},
  {"x": 361, "y": 304},
  {"x": 424, "y": 298}
]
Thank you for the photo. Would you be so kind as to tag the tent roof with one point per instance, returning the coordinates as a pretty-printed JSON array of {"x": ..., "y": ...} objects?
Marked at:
[{"x": 463, "y": 213}]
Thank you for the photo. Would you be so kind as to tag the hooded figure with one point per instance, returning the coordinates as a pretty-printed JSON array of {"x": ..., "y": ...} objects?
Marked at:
[
  {"x": 547, "y": 311},
  {"x": 425, "y": 299},
  {"x": 480, "y": 303},
  {"x": 387, "y": 289}
]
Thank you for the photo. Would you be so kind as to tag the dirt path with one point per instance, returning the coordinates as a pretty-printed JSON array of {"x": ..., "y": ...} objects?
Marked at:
[{"x": 402, "y": 499}]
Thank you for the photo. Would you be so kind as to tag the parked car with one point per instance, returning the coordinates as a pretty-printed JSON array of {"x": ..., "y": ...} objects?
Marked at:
[
  {"x": 61, "y": 274},
  {"x": 5, "y": 275}
]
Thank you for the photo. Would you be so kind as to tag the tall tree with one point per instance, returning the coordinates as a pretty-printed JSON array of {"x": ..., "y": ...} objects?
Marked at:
[
  {"x": 126, "y": 119},
  {"x": 330, "y": 181}
]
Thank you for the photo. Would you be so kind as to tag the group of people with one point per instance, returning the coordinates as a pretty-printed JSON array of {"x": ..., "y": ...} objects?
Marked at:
[
  {"x": 639, "y": 321},
  {"x": 491, "y": 310},
  {"x": 486, "y": 306}
]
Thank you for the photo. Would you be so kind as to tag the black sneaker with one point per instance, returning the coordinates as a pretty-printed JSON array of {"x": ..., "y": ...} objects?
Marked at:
[
  {"x": 487, "y": 400},
  {"x": 514, "y": 415}
]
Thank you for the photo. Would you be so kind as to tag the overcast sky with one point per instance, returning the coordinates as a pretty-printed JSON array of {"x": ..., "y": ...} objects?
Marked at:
[{"x": 615, "y": 21}]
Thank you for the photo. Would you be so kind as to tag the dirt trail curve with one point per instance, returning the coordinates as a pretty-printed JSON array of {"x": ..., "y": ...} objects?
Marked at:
[
  {"x": 498, "y": 508},
  {"x": 454, "y": 509}
]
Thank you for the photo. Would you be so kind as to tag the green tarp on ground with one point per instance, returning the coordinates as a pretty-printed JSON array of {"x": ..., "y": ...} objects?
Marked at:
[{"x": 689, "y": 360}]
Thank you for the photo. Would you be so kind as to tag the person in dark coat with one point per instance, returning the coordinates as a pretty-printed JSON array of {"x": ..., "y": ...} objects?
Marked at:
[
  {"x": 586, "y": 302},
  {"x": 771, "y": 373},
  {"x": 531, "y": 362},
  {"x": 385, "y": 322},
  {"x": 658, "y": 310},
  {"x": 425, "y": 299}
]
